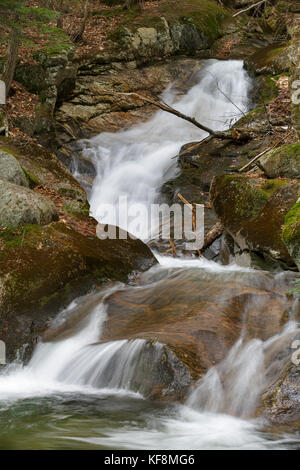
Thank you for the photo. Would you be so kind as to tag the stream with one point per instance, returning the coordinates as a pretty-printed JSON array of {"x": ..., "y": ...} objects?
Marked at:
[{"x": 80, "y": 389}]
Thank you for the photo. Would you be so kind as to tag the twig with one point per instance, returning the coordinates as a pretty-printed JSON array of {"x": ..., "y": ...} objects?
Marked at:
[
  {"x": 224, "y": 94},
  {"x": 249, "y": 8}
]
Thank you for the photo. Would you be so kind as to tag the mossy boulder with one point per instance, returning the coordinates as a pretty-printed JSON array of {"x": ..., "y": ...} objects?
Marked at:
[
  {"x": 42, "y": 269},
  {"x": 190, "y": 26},
  {"x": 253, "y": 210},
  {"x": 43, "y": 168},
  {"x": 10, "y": 170},
  {"x": 270, "y": 60},
  {"x": 282, "y": 162},
  {"x": 20, "y": 206},
  {"x": 291, "y": 232}
]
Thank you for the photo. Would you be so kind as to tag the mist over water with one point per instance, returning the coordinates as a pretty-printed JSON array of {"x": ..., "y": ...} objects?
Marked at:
[{"x": 77, "y": 392}]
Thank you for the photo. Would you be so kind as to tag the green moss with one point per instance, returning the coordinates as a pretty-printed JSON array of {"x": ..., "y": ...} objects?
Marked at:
[
  {"x": 291, "y": 230},
  {"x": 254, "y": 113},
  {"x": 76, "y": 209},
  {"x": 32, "y": 179},
  {"x": 271, "y": 186},
  {"x": 267, "y": 55},
  {"x": 204, "y": 14},
  {"x": 60, "y": 42},
  {"x": 268, "y": 89}
]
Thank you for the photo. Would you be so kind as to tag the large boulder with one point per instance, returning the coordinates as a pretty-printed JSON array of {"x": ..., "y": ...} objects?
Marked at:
[
  {"x": 199, "y": 319},
  {"x": 253, "y": 210},
  {"x": 42, "y": 269},
  {"x": 282, "y": 162},
  {"x": 22, "y": 206},
  {"x": 174, "y": 325},
  {"x": 169, "y": 31},
  {"x": 291, "y": 232},
  {"x": 10, "y": 170},
  {"x": 43, "y": 168}
]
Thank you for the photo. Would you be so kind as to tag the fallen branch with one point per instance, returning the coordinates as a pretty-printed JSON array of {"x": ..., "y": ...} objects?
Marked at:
[
  {"x": 249, "y": 8},
  {"x": 212, "y": 235},
  {"x": 173, "y": 247}
]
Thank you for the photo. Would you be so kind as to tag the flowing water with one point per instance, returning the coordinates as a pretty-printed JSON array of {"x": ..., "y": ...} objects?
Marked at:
[{"x": 80, "y": 393}]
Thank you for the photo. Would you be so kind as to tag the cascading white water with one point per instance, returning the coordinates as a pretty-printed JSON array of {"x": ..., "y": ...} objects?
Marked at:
[{"x": 135, "y": 163}]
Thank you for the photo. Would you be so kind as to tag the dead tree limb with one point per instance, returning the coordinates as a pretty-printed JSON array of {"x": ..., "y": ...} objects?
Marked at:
[
  {"x": 212, "y": 235},
  {"x": 77, "y": 37},
  {"x": 169, "y": 109},
  {"x": 249, "y": 8}
]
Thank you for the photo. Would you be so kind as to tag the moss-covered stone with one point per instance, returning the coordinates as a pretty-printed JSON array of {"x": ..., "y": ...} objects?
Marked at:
[
  {"x": 291, "y": 232},
  {"x": 282, "y": 162},
  {"x": 10, "y": 170},
  {"x": 186, "y": 27},
  {"x": 43, "y": 168},
  {"x": 270, "y": 60},
  {"x": 43, "y": 268},
  {"x": 252, "y": 211},
  {"x": 20, "y": 206}
]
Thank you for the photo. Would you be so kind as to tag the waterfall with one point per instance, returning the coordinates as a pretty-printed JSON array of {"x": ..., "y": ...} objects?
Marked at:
[{"x": 136, "y": 162}]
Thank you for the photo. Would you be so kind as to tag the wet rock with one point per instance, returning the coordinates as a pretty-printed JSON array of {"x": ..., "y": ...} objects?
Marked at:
[
  {"x": 10, "y": 170},
  {"x": 42, "y": 269},
  {"x": 22, "y": 206},
  {"x": 197, "y": 319},
  {"x": 253, "y": 210},
  {"x": 281, "y": 396},
  {"x": 282, "y": 162}
]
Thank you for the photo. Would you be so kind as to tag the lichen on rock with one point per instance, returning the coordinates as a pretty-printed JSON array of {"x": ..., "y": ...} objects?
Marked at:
[
  {"x": 10, "y": 170},
  {"x": 21, "y": 206}
]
